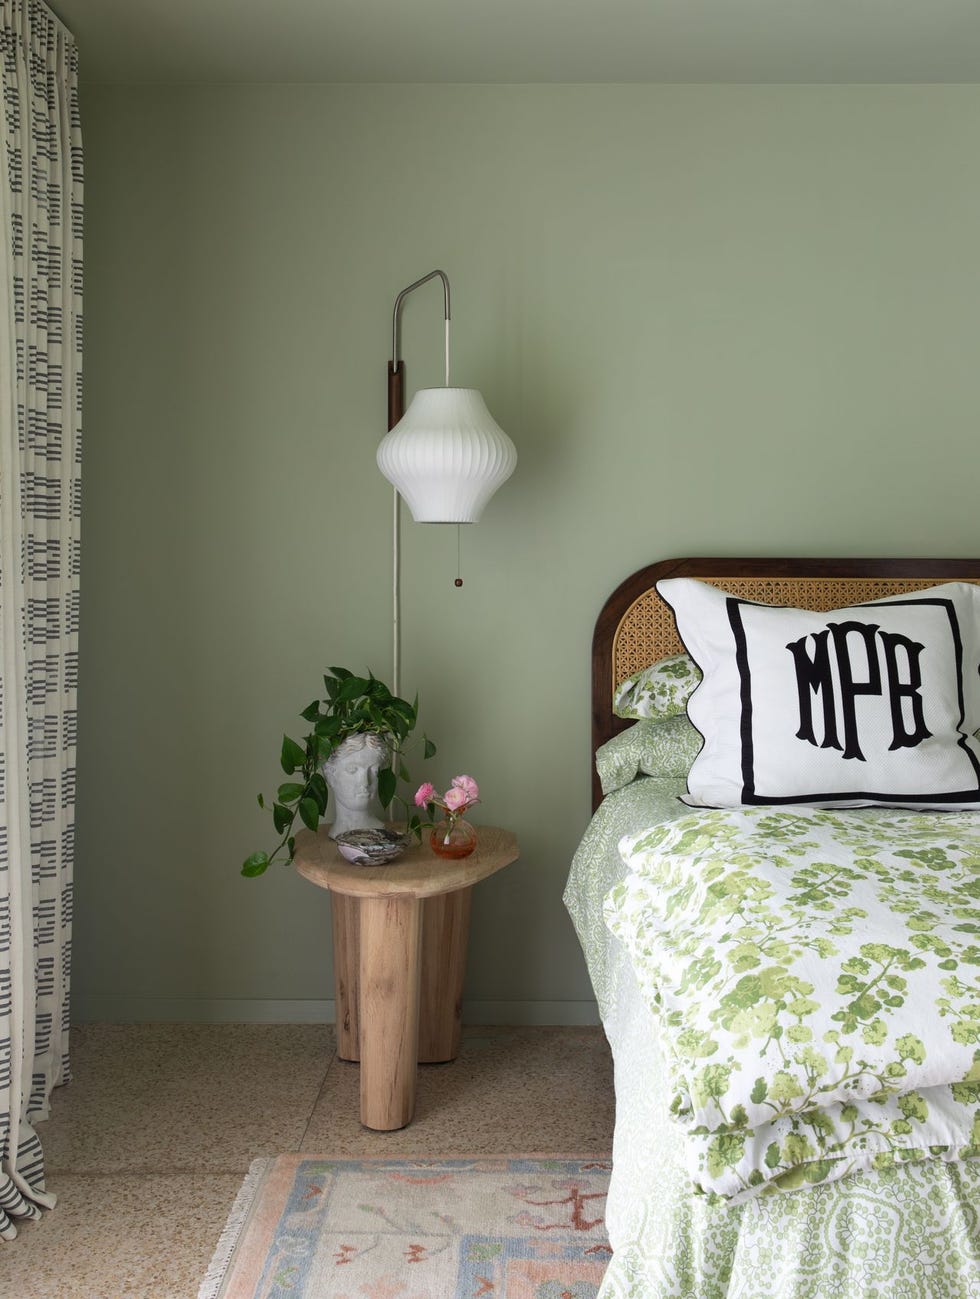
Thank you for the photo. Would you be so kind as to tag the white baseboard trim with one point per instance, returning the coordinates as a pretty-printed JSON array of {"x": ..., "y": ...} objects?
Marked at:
[
  {"x": 565, "y": 1014},
  {"x": 122, "y": 1009}
]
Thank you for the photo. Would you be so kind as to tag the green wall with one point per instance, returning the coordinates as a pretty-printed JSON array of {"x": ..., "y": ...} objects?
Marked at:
[{"x": 715, "y": 320}]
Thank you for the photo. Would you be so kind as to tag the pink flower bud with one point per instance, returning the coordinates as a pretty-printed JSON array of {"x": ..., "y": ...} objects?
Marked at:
[
  {"x": 469, "y": 787},
  {"x": 455, "y": 799}
]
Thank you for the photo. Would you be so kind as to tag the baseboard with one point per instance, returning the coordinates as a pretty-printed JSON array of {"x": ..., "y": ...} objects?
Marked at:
[
  {"x": 566, "y": 1014},
  {"x": 122, "y": 1009}
]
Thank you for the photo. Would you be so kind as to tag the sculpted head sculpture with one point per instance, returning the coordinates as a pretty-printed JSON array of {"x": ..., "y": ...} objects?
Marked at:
[{"x": 351, "y": 771}]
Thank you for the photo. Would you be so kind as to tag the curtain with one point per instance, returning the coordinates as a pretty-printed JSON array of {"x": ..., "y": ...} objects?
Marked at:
[{"x": 40, "y": 403}]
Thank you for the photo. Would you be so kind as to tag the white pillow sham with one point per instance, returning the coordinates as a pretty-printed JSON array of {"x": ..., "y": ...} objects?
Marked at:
[{"x": 873, "y": 704}]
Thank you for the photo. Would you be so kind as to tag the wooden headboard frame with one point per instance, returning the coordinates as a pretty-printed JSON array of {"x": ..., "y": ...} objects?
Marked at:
[{"x": 636, "y": 627}]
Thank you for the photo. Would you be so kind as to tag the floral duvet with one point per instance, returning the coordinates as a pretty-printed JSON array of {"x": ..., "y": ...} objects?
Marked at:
[
  {"x": 908, "y": 1231},
  {"x": 816, "y": 978}
]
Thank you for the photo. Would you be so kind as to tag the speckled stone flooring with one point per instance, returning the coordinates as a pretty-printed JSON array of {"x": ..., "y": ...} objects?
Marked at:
[{"x": 147, "y": 1148}]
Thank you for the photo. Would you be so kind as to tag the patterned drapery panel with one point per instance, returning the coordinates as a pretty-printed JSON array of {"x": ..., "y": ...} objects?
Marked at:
[{"x": 40, "y": 424}]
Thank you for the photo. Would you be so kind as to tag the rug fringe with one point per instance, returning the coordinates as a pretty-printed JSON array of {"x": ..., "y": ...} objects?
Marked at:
[{"x": 228, "y": 1241}]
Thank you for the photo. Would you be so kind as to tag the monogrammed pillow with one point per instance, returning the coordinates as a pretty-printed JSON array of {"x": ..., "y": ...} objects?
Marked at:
[{"x": 877, "y": 703}]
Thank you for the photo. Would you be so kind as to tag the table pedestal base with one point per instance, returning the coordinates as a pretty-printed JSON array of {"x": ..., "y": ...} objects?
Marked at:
[
  {"x": 400, "y": 934},
  {"x": 399, "y": 964}
]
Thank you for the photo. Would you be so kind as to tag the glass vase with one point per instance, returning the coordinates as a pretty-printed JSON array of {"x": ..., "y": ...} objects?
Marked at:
[{"x": 453, "y": 839}]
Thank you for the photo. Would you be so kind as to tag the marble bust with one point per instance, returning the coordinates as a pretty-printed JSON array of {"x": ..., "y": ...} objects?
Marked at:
[{"x": 351, "y": 772}]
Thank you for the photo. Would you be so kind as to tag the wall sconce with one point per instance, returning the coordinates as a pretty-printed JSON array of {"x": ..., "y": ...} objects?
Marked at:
[{"x": 446, "y": 454}]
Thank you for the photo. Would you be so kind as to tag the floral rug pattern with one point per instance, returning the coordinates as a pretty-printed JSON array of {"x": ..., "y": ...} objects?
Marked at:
[{"x": 508, "y": 1228}]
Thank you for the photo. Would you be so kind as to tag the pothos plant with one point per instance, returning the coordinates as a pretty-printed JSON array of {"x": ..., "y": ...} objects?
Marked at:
[{"x": 354, "y": 706}]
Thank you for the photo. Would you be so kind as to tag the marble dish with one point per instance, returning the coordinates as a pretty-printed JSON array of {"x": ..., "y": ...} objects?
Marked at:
[{"x": 371, "y": 847}]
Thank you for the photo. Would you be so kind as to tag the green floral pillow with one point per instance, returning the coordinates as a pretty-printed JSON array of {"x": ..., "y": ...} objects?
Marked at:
[
  {"x": 666, "y": 749},
  {"x": 661, "y": 690}
]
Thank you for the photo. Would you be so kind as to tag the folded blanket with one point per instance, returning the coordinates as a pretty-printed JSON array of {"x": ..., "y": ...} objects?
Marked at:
[
  {"x": 821, "y": 1145},
  {"x": 816, "y": 976}
]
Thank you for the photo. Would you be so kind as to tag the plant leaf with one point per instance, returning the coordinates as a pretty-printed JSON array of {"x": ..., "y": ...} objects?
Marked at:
[
  {"x": 309, "y": 812},
  {"x": 282, "y": 817},
  {"x": 261, "y": 800},
  {"x": 428, "y": 748},
  {"x": 290, "y": 792},
  {"x": 319, "y": 792},
  {"x": 255, "y": 864},
  {"x": 387, "y": 783},
  {"x": 292, "y": 755},
  {"x": 352, "y": 688},
  {"x": 311, "y": 712},
  {"x": 340, "y": 673}
]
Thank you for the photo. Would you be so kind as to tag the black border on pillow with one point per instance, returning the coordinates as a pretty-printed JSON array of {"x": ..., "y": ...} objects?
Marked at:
[{"x": 749, "y": 796}]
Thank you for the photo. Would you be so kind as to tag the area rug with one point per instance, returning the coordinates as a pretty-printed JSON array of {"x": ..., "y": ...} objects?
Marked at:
[{"x": 525, "y": 1227}]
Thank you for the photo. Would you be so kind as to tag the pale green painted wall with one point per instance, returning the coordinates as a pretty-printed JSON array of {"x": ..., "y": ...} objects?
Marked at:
[{"x": 717, "y": 320}]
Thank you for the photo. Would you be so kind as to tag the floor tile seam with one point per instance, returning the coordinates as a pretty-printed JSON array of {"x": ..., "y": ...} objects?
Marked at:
[
  {"x": 331, "y": 1064},
  {"x": 305, "y": 1109},
  {"x": 238, "y": 1170}
]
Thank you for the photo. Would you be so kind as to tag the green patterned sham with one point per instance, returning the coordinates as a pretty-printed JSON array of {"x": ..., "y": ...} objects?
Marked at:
[
  {"x": 659, "y": 691},
  {"x": 815, "y": 974},
  {"x": 665, "y": 749}
]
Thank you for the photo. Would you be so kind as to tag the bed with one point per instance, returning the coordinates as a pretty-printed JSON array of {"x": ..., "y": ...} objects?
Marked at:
[{"x": 906, "y": 1229}]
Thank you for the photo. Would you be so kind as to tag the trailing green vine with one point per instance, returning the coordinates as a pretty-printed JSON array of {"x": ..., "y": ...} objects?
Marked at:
[{"x": 354, "y": 705}]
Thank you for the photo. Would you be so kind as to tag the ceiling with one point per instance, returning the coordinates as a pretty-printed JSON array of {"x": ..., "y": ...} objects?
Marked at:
[{"x": 188, "y": 41}]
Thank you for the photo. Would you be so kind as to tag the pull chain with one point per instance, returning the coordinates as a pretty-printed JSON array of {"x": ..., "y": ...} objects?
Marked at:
[{"x": 459, "y": 580}]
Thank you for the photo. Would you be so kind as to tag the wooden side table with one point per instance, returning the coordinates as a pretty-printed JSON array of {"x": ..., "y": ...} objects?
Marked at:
[{"x": 400, "y": 934}]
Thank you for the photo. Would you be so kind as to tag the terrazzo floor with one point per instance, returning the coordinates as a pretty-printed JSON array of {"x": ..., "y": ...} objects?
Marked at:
[{"x": 147, "y": 1147}]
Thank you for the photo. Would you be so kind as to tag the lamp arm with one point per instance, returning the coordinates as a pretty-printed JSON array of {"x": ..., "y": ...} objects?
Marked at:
[
  {"x": 396, "y": 364},
  {"x": 396, "y": 409}
]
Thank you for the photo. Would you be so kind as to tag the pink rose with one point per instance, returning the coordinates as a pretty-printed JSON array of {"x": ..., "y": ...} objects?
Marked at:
[
  {"x": 469, "y": 787},
  {"x": 455, "y": 799},
  {"x": 425, "y": 794}
]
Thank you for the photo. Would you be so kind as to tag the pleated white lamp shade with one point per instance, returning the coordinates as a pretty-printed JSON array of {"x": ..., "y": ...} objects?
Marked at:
[{"x": 447, "y": 455}]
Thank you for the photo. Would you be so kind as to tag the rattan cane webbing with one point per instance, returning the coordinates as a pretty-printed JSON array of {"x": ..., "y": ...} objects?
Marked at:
[{"x": 647, "y": 631}]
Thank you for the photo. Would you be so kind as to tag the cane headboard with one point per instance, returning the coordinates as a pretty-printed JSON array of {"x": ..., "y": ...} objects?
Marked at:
[{"x": 636, "y": 627}]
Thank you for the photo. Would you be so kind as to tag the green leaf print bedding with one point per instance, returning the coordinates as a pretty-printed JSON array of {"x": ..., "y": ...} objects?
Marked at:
[{"x": 815, "y": 975}]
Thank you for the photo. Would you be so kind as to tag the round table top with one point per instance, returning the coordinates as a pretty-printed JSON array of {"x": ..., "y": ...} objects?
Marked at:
[{"x": 418, "y": 873}]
